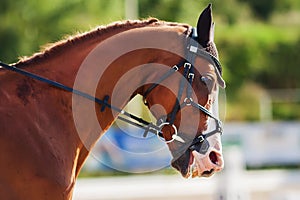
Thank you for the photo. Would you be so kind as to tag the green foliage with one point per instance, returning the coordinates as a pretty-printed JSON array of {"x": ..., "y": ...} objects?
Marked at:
[
  {"x": 258, "y": 40},
  {"x": 263, "y": 9},
  {"x": 248, "y": 110},
  {"x": 28, "y": 24},
  {"x": 283, "y": 68},
  {"x": 287, "y": 111},
  {"x": 170, "y": 10},
  {"x": 260, "y": 53}
]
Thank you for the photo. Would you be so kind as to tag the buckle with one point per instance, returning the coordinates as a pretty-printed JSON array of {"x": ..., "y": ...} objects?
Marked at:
[
  {"x": 188, "y": 101},
  {"x": 175, "y": 68},
  {"x": 191, "y": 75},
  {"x": 201, "y": 138},
  {"x": 219, "y": 127},
  {"x": 188, "y": 65}
]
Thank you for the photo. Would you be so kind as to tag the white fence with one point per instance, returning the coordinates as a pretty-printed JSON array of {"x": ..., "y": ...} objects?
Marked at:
[
  {"x": 233, "y": 183},
  {"x": 253, "y": 144},
  {"x": 265, "y": 144}
]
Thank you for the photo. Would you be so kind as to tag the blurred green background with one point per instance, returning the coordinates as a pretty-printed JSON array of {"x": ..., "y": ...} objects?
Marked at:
[
  {"x": 259, "y": 46},
  {"x": 258, "y": 42}
]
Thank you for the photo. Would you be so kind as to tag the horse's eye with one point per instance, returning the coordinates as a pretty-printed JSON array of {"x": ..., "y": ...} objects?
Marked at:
[{"x": 208, "y": 82}]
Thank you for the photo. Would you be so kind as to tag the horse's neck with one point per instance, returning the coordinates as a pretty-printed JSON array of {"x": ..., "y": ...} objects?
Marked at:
[
  {"x": 60, "y": 66},
  {"x": 119, "y": 66},
  {"x": 115, "y": 68}
]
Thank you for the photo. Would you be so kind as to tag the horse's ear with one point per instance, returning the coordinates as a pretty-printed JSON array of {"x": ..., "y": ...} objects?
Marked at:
[{"x": 205, "y": 27}]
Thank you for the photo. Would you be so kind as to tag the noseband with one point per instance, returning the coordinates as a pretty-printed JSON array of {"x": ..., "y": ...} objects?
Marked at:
[{"x": 199, "y": 143}]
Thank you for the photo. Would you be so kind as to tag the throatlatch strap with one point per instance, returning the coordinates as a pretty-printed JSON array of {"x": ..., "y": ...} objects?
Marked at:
[{"x": 174, "y": 69}]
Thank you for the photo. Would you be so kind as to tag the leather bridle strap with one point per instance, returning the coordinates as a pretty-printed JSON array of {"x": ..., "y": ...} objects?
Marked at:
[
  {"x": 133, "y": 120},
  {"x": 174, "y": 69}
]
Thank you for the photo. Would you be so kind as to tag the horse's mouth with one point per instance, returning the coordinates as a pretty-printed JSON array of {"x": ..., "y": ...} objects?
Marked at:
[
  {"x": 187, "y": 167},
  {"x": 184, "y": 164}
]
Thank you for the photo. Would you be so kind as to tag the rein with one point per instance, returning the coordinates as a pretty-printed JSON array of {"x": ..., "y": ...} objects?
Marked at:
[
  {"x": 199, "y": 143},
  {"x": 104, "y": 103}
]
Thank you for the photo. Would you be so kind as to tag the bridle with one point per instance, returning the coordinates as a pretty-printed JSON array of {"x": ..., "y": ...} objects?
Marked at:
[{"x": 199, "y": 143}]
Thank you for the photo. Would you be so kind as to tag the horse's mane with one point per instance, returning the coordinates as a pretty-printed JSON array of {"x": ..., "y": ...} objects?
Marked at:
[{"x": 120, "y": 26}]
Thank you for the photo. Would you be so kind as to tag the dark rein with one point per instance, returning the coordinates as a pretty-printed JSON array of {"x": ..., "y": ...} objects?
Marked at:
[{"x": 199, "y": 143}]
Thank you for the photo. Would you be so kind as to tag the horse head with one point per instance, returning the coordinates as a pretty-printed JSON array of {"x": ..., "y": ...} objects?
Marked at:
[{"x": 188, "y": 117}]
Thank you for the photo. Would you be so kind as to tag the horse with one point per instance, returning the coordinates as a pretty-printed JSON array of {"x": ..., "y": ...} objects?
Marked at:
[{"x": 57, "y": 103}]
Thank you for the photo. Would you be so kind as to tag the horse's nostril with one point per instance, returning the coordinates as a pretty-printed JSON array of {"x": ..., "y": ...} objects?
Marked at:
[{"x": 213, "y": 157}]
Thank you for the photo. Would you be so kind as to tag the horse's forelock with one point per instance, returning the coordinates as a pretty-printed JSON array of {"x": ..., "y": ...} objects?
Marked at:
[{"x": 212, "y": 49}]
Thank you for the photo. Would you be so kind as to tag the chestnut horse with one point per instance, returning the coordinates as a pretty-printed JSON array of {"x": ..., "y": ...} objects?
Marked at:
[{"x": 47, "y": 128}]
